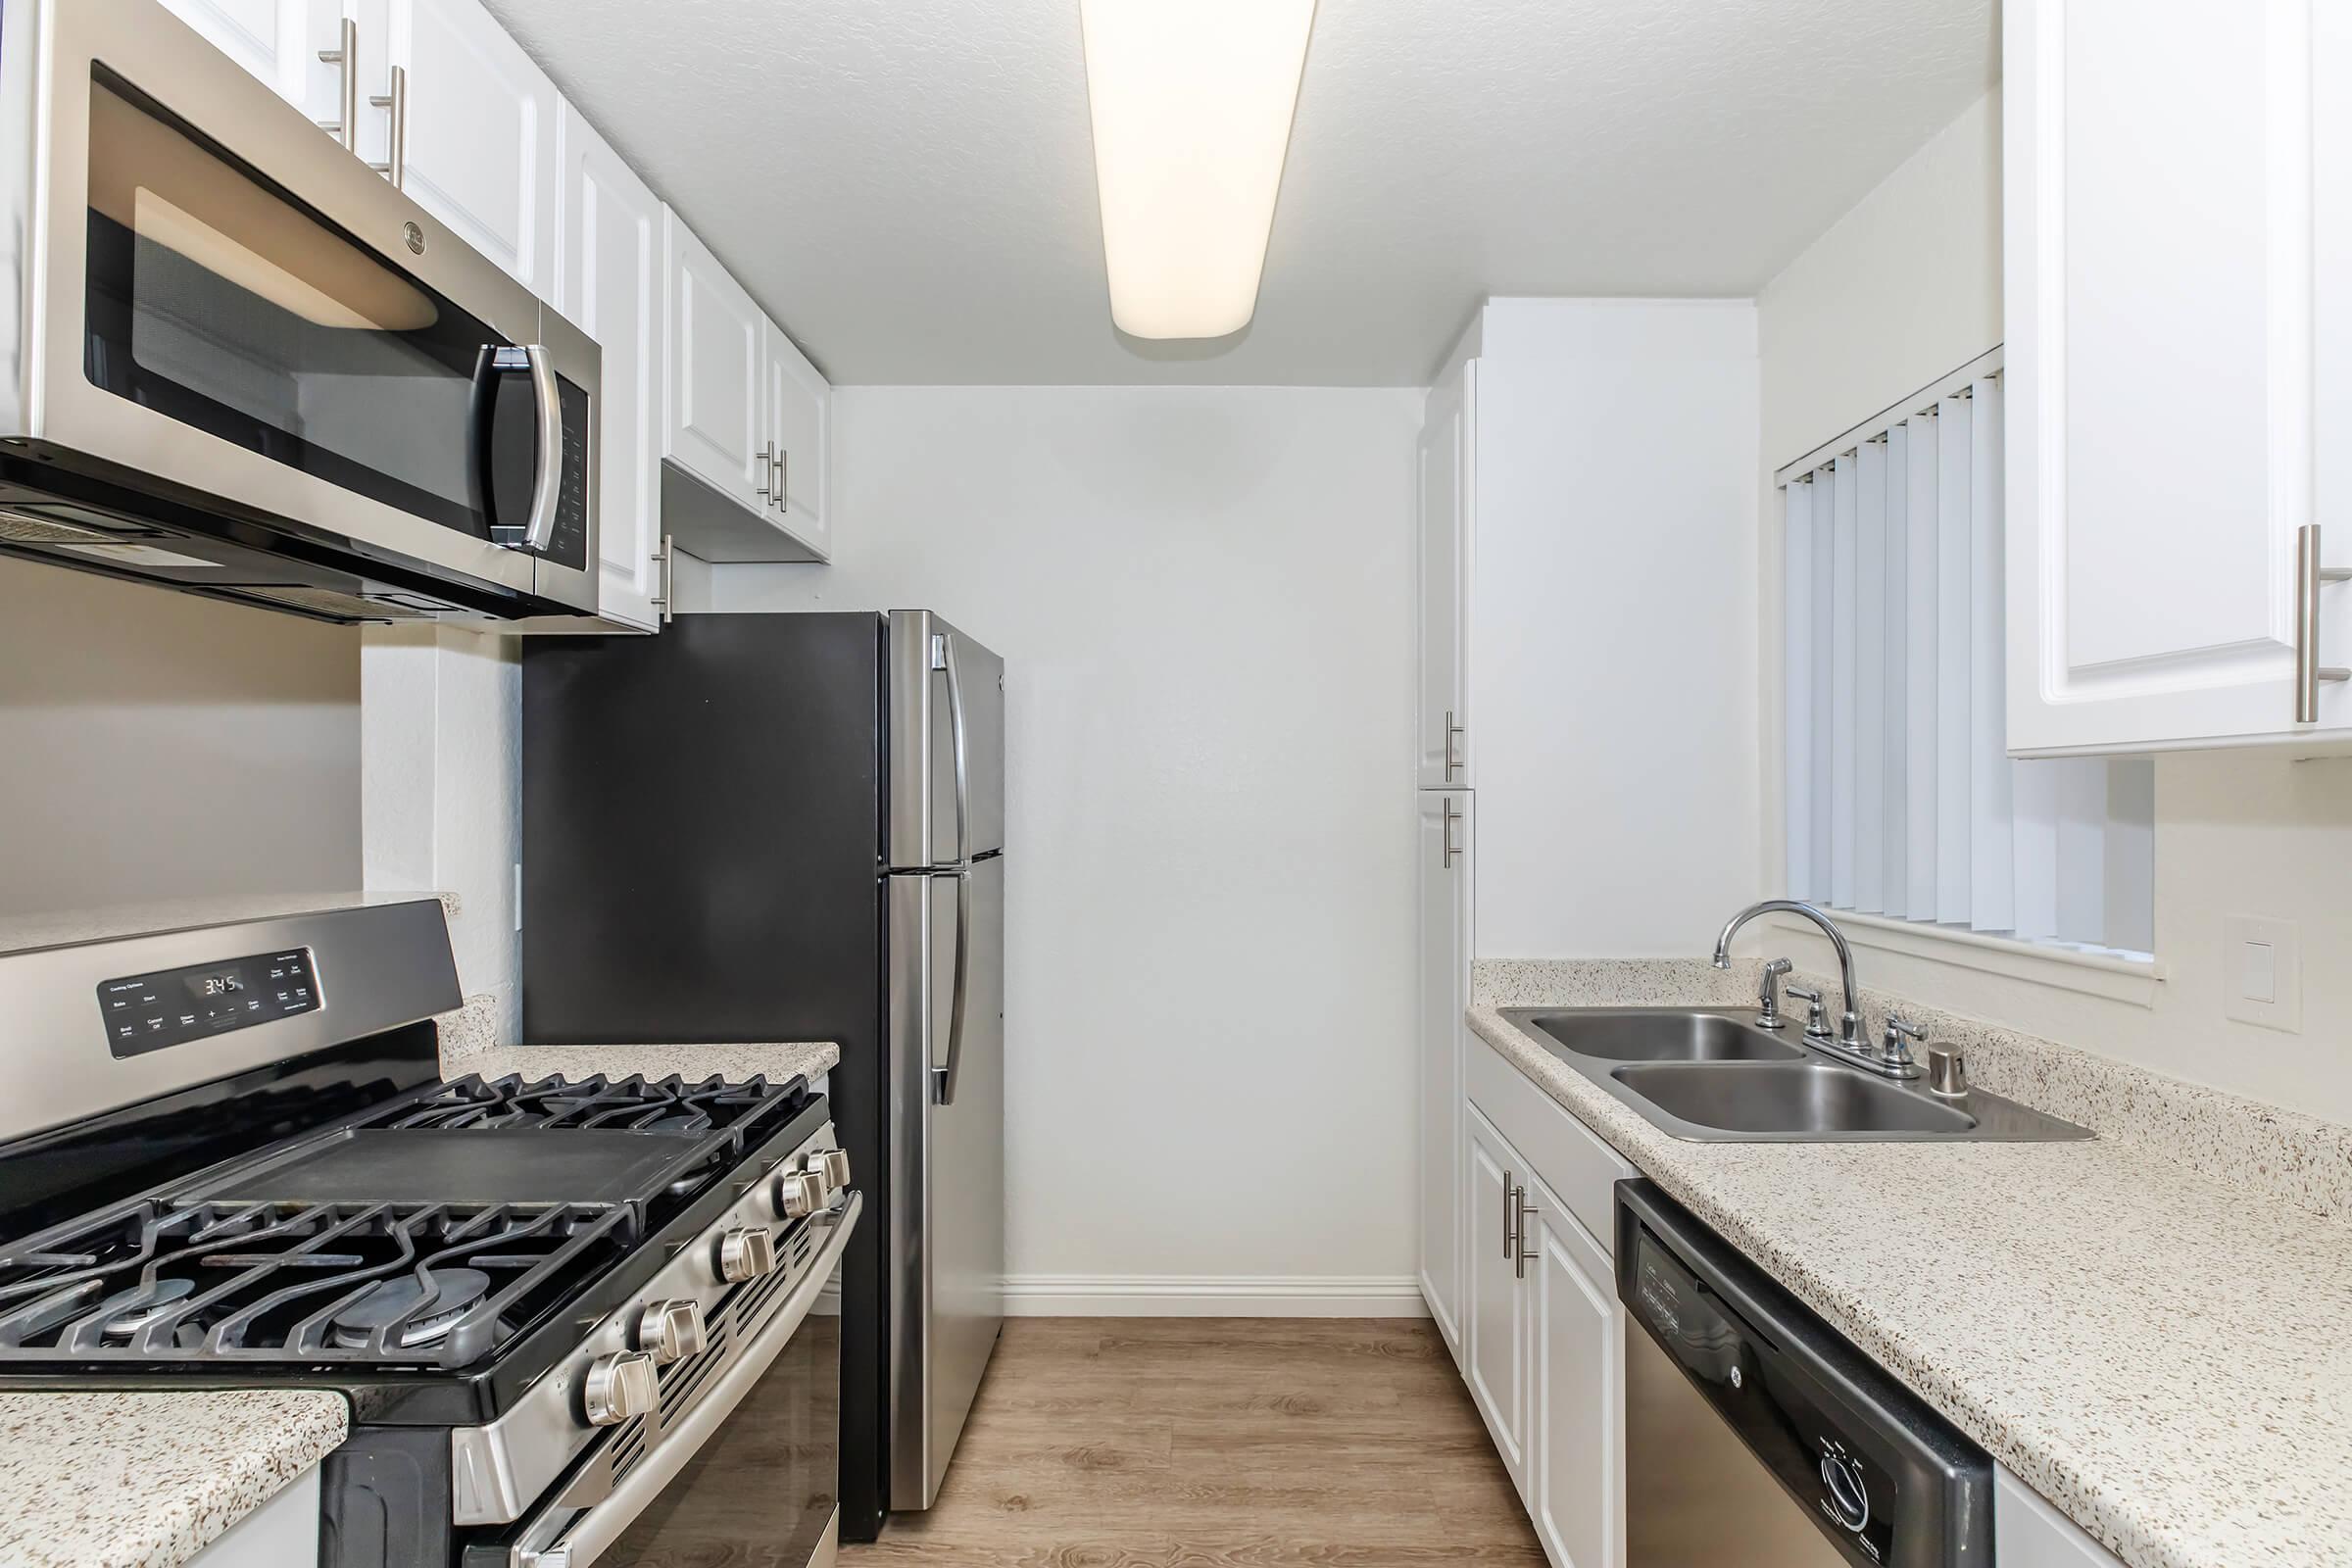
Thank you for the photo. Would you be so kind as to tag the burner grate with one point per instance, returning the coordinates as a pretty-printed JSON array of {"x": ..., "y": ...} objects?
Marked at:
[
  {"x": 635, "y": 1104},
  {"x": 309, "y": 1281}
]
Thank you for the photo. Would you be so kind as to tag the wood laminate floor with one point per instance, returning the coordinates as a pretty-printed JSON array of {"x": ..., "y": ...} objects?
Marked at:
[{"x": 1199, "y": 1442}]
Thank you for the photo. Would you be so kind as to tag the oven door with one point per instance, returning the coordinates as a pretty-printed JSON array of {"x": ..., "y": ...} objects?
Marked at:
[
  {"x": 240, "y": 317},
  {"x": 751, "y": 1469}
]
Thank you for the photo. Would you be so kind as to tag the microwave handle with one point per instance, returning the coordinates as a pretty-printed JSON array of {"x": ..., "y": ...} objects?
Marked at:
[{"x": 547, "y": 493}]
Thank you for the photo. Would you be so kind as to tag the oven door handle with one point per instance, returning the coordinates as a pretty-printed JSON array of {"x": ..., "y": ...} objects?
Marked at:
[
  {"x": 547, "y": 495},
  {"x": 567, "y": 1538}
]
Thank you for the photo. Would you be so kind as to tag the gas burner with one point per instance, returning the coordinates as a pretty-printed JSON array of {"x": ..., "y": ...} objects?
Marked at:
[
  {"x": 125, "y": 1313},
  {"x": 387, "y": 1302}
]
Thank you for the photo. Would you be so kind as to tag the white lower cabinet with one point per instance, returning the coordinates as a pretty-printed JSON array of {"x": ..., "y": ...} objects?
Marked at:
[
  {"x": 1576, "y": 1484},
  {"x": 282, "y": 1531},
  {"x": 1544, "y": 1356},
  {"x": 2028, "y": 1533},
  {"x": 1543, "y": 1350},
  {"x": 1494, "y": 1351}
]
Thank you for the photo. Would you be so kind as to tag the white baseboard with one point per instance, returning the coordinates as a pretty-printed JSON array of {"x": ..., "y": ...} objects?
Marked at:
[{"x": 1214, "y": 1295}]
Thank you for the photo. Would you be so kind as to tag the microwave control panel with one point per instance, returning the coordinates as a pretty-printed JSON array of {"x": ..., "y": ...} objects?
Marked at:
[{"x": 146, "y": 1012}]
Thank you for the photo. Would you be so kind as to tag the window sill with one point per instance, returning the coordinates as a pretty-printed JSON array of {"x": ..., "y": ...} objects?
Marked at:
[{"x": 2118, "y": 977}]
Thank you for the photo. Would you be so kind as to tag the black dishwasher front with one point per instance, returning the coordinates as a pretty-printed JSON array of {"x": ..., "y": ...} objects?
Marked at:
[{"x": 1757, "y": 1435}]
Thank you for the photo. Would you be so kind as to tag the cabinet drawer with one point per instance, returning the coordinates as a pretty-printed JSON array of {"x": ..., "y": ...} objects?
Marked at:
[{"x": 1570, "y": 1156}]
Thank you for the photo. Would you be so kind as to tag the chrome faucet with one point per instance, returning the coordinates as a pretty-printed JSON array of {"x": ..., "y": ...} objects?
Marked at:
[{"x": 1849, "y": 1041}]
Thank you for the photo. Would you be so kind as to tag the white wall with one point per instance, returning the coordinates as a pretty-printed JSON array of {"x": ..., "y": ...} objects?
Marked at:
[
  {"x": 1612, "y": 616},
  {"x": 442, "y": 789},
  {"x": 154, "y": 745},
  {"x": 1903, "y": 288},
  {"x": 1203, "y": 600}
]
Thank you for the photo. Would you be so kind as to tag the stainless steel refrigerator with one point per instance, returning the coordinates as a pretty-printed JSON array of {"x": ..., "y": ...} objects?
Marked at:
[{"x": 792, "y": 827}]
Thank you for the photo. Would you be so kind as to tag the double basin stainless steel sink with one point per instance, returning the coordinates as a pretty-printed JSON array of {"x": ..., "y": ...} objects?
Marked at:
[{"x": 1712, "y": 1075}]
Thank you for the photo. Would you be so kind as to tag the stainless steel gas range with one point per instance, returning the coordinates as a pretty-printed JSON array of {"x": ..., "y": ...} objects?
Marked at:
[{"x": 232, "y": 1162}]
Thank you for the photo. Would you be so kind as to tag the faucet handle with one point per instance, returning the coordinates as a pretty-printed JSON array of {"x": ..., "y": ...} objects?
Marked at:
[
  {"x": 1901, "y": 1036},
  {"x": 1817, "y": 1016}
]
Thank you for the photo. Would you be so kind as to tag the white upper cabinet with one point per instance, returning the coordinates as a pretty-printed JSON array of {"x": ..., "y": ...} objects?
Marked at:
[
  {"x": 2178, "y": 304},
  {"x": 479, "y": 126},
  {"x": 742, "y": 408},
  {"x": 800, "y": 411},
  {"x": 609, "y": 284},
  {"x": 715, "y": 425},
  {"x": 1442, "y": 583},
  {"x": 269, "y": 38}
]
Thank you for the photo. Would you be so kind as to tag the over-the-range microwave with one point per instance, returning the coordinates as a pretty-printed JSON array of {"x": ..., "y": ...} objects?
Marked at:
[{"x": 235, "y": 360}]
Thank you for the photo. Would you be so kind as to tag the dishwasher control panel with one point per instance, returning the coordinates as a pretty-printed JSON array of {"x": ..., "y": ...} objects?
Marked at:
[{"x": 1886, "y": 1481}]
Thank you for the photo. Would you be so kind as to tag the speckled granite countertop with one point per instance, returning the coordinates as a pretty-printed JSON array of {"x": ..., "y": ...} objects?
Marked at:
[
  {"x": 2158, "y": 1342},
  {"x": 468, "y": 1038},
  {"x": 148, "y": 1479}
]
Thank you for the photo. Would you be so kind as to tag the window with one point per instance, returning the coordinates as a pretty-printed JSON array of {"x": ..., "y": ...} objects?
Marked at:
[{"x": 1902, "y": 800}]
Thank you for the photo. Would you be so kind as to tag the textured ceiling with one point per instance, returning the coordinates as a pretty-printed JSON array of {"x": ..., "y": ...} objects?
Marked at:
[{"x": 907, "y": 186}]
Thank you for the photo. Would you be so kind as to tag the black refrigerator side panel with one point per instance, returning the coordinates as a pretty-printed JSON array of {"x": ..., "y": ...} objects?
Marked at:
[{"x": 701, "y": 831}]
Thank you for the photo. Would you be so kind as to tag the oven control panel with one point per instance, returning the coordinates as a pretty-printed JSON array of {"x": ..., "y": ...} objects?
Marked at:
[{"x": 171, "y": 1006}]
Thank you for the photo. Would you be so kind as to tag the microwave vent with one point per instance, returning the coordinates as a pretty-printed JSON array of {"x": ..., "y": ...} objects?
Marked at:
[
  {"x": 24, "y": 528},
  {"x": 346, "y": 607}
]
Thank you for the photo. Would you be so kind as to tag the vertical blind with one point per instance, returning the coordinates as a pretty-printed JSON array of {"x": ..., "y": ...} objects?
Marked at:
[{"x": 1902, "y": 800}]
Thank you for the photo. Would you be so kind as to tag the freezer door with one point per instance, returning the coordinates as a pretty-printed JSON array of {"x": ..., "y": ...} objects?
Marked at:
[
  {"x": 947, "y": 1161},
  {"x": 946, "y": 704}
]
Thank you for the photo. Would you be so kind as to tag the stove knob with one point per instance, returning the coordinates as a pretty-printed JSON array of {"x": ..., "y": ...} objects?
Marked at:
[
  {"x": 836, "y": 1165},
  {"x": 800, "y": 1193},
  {"x": 744, "y": 1254},
  {"x": 618, "y": 1386},
  {"x": 672, "y": 1330}
]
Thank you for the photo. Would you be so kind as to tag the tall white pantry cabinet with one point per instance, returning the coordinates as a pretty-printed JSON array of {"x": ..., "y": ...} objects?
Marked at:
[
  {"x": 2177, "y": 294},
  {"x": 1567, "y": 445}
]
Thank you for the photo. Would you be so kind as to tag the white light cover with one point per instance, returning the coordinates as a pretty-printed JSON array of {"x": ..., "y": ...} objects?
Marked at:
[{"x": 1192, "y": 103}]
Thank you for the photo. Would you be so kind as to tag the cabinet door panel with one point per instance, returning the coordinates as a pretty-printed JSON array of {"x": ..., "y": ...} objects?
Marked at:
[
  {"x": 1441, "y": 872},
  {"x": 481, "y": 134},
  {"x": 268, "y": 37},
  {"x": 2164, "y": 290},
  {"x": 1441, "y": 708},
  {"x": 1497, "y": 1307},
  {"x": 717, "y": 421},
  {"x": 609, "y": 284},
  {"x": 1577, "y": 1440},
  {"x": 800, "y": 411}
]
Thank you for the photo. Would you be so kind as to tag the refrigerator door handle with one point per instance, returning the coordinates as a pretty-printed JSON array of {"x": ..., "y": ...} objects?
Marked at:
[
  {"x": 943, "y": 657},
  {"x": 943, "y": 1079}
]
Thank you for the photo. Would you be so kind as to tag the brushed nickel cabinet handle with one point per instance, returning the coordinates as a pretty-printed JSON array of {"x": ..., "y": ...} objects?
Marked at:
[
  {"x": 2309, "y": 576},
  {"x": 1451, "y": 730},
  {"x": 662, "y": 567},
  {"x": 783, "y": 462},
  {"x": 1521, "y": 1256},
  {"x": 395, "y": 166},
  {"x": 1510, "y": 1214},
  {"x": 1452, "y": 851},
  {"x": 346, "y": 61},
  {"x": 765, "y": 457}
]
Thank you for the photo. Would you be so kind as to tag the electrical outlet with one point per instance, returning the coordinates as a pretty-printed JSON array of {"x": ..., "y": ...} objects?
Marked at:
[{"x": 2262, "y": 973}]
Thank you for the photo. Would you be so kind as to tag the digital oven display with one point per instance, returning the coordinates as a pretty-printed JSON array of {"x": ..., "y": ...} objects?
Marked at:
[{"x": 172, "y": 1007}]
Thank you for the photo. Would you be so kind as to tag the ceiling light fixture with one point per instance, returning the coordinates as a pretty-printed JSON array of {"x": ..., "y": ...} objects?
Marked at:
[{"x": 1192, "y": 103}]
